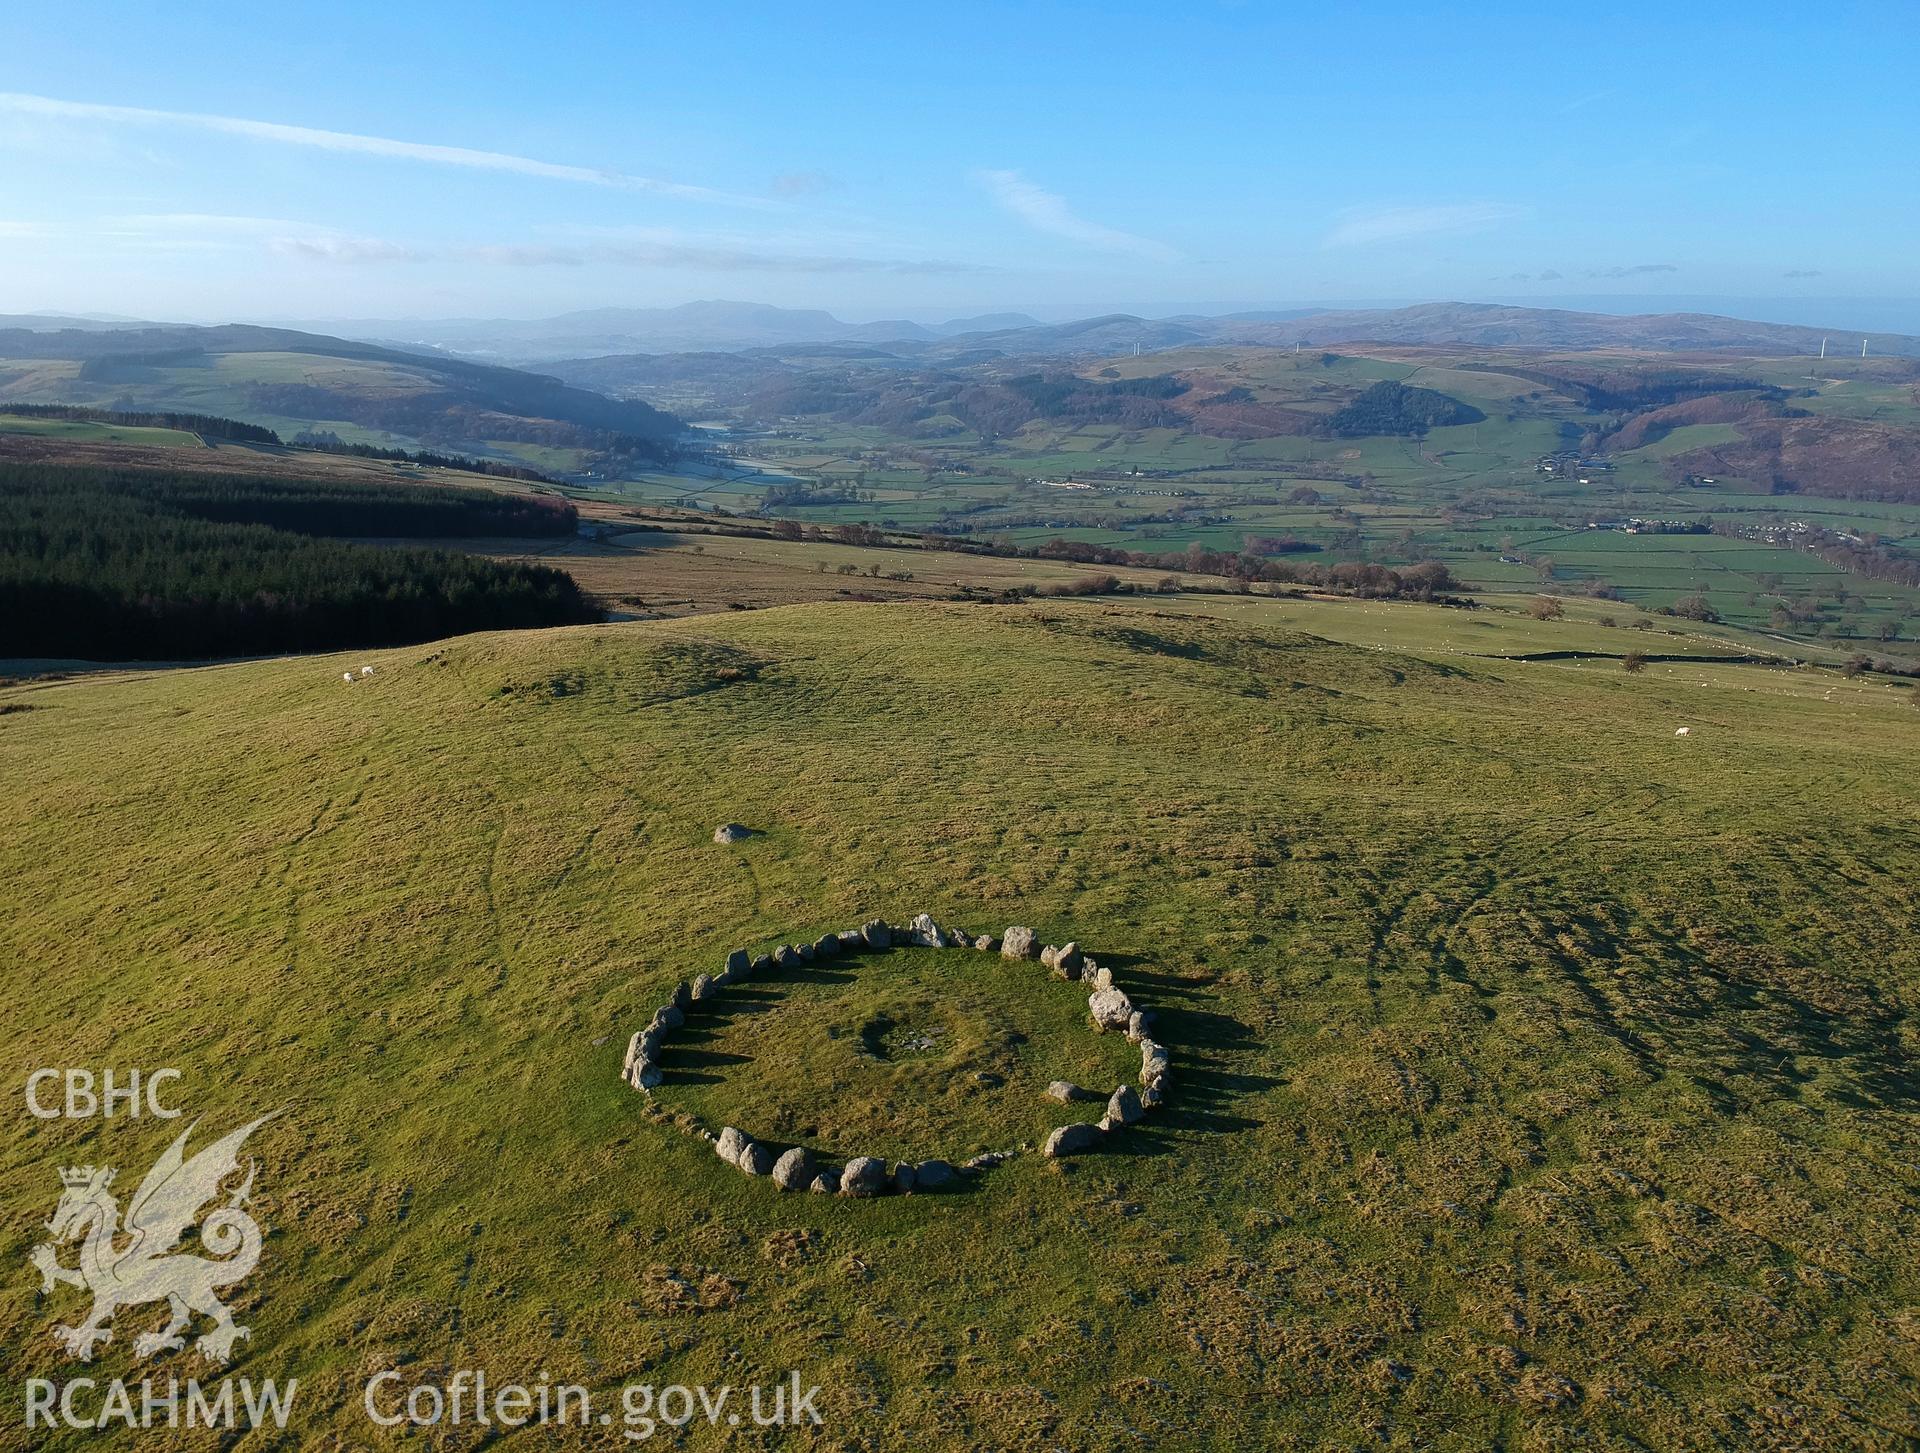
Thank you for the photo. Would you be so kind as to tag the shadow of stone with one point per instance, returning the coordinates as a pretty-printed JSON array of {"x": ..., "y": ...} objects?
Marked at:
[
  {"x": 818, "y": 972},
  {"x": 1151, "y": 985},
  {"x": 1181, "y": 1029},
  {"x": 686, "y": 1057},
  {"x": 962, "y": 1184}
]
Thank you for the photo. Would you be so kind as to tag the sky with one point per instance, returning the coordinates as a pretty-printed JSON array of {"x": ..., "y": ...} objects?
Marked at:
[{"x": 358, "y": 160}]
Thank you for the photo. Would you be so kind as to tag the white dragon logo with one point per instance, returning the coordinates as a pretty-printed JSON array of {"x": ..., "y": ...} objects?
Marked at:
[{"x": 139, "y": 1269}]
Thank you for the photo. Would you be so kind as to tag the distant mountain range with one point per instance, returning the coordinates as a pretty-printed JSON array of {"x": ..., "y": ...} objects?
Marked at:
[
  {"x": 729, "y": 327},
  {"x": 692, "y": 327}
]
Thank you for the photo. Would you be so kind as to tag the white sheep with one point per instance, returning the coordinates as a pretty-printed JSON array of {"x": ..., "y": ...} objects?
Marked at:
[
  {"x": 366, "y": 670},
  {"x": 347, "y": 676},
  {"x": 1683, "y": 732}
]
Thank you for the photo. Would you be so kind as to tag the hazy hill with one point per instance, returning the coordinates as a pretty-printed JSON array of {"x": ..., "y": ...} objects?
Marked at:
[
  {"x": 691, "y": 327},
  {"x": 1489, "y": 325},
  {"x": 285, "y": 379},
  {"x": 53, "y": 322},
  {"x": 734, "y": 327}
]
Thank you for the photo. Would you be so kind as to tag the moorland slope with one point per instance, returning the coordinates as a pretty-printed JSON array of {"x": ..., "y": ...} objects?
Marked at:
[{"x": 1541, "y": 1077}]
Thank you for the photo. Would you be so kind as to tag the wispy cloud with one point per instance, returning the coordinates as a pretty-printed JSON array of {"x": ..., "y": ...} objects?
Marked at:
[
  {"x": 699, "y": 256},
  {"x": 347, "y": 249},
  {"x": 1639, "y": 269},
  {"x": 1549, "y": 276},
  {"x": 1361, "y": 226},
  {"x": 1802, "y": 272},
  {"x": 1048, "y": 212},
  {"x": 1592, "y": 98},
  {"x": 803, "y": 184},
  {"x": 653, "y": 248},
  {"x": 353, "y": 142}
]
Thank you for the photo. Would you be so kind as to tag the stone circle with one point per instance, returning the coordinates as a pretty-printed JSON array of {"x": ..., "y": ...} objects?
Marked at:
[{"x": 795, "y": 1169}]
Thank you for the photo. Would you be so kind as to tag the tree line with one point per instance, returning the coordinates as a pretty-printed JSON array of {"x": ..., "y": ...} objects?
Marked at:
[
  {"x": 210, "y": 426},
  {"x": 116, "y": 566},
  {"x": 1425, "y": 580},
  {"x": 325, "y": 441}
]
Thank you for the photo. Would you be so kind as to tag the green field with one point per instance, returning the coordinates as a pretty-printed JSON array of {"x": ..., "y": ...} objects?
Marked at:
[
  {"x": 87, "y": 432},
  {"x": 1467, "y": 494},
  {"x": 1541, "y": 1078}
]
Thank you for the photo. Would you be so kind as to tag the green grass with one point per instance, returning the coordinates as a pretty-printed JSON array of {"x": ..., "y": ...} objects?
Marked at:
[
  {"x": 1515, "y": 1038},
  {"x": 89, "y": 432},
  {"x": 1454, "y": 495},
  {"x": 909, "y": 1054}
]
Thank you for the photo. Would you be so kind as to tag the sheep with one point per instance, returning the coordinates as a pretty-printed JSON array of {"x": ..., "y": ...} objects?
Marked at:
[
  {"x": 347, "y": 676},
  {"x": 366, "y": 670},
  {"x": 1683, "y": 731}
]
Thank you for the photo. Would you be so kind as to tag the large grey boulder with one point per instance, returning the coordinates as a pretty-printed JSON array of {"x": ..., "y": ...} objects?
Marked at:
[
  {"x": 646, "y": 1075},
  {"x": 1070, "y": 1139},
  {"x": 905, "y": 1174},
  {"x": 865, "y": 1175},
  {"x": 756, "y": 1160},
  {"x": 827, "y": 1183},
  {"x": 1153, "y": 1094},
  {"x": 785, "y": 957},
  {"x": 827, "y": 946},
  {"x": 805, "y": 950},
  {"x": 731, "y": 832},
  {"x": 704, "y": 988},
  {"x": 762, "y": 963},
  {"x": 731, "y": 1143},
  {"x": 986, "y": 942},
  {"x": 795, "y": 1170},
  {"x": 635, "y": 1050},
  {"x": 682, "y": 996},
  {"x": 1068, "y": 960},
  {"x": 671, "y": 1016},
  {"x": 1123, "y": 1108},
  {"x": 851, "y": 940},
  {"x": 1137, "y": 1024},
  {"x": 1017, "y": 943},
  {"x": 1098, "y": 975},
  {"x": 877, "y": 934},
  {"x": 739, "y": 964},
  {"x": 925, "y": 932},
  {"x": 1065, "y": 1090},
  {"x": 934, "y": 1175},
  {"x": 1111, "y": 1009}
]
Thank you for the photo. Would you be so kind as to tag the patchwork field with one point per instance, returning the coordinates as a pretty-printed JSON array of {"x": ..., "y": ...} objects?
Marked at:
[
  {"x": 1542, "y": 1078},
  {"x": 1245, "y": 459}
]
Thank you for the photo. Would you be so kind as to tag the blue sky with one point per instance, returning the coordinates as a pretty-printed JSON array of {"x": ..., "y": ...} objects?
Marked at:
[{"x": 426, "y": 159}]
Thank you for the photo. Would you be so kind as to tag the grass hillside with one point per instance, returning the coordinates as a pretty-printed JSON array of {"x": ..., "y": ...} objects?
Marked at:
[
  {"x": 1541, "y": 1079},
  {"x": 362, "y": 393}
]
